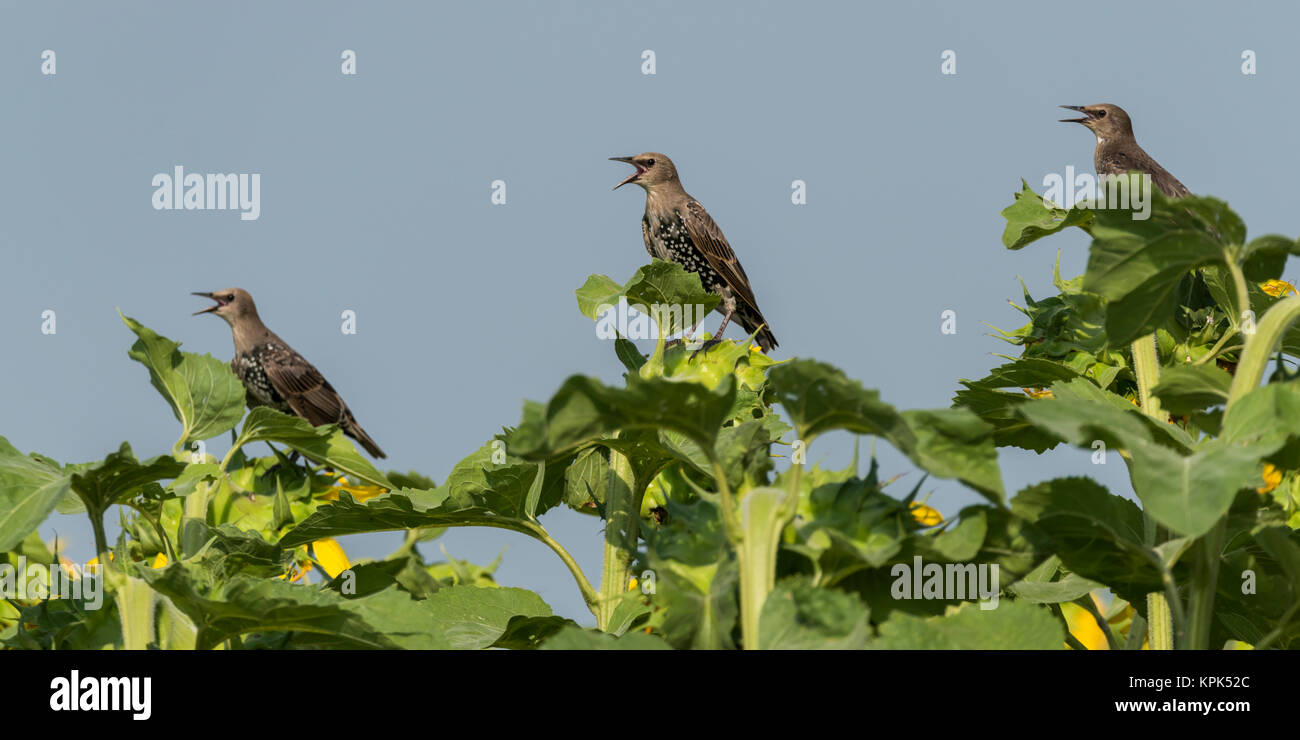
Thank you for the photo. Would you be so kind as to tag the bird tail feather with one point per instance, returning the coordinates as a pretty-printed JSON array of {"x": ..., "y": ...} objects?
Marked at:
[{"x": 355, "y": 431}]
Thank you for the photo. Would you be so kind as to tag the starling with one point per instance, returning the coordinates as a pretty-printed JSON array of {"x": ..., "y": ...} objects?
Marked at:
[
  {"x": 676, "y": 228},
  {"x": 1117, "y": 151},
  {"x": 275, "y": 375}
]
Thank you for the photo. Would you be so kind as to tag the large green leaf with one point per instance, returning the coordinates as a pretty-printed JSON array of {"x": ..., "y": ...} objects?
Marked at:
[
  {"x": 696, "y": 577},
  {"x": 951, "y": 443},
  {"x": 30, "y": 488},
  {"x": 325, "y": 444},
  {"x": 585, "y": 410},
  {"x": 658, "y": 284},
  {"x": 1137, "y": 265},
  {"x": 1013, "y": 625},
  {"x": 1186, "y": 388},
  {"x": 1098, "y": 535},
  {"x": 819, "y": 398},
  {"x": 204, "y": 394},
  {"x": 799, "y": 616},
  {"x": 101, "y": 484},
  {"x": 1031, "y": 218},
  {"x": 476, "y": 492}
]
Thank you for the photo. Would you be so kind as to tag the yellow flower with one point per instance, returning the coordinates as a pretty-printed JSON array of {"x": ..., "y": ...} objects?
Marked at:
[
  {"x": 1272, "y": 477},
  {"x": 1038, "y": 393},
  {"x": 331, "y": 556},
  {"x": 359, "y": 491},
  {"x": 160, "y": 561},
  {"x": 631, "y": 586},
  {"x": 1083, "y": 626},
  {"x": 1277, "y": 288},
  {"x": 924, "y": 515}
]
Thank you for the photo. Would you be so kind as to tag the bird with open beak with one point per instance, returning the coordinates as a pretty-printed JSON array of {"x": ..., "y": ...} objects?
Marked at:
[
  {"x": 1117, "y": 150},
  {"x": 676, "y": 228},
  {"x": 275, "y": 375}
]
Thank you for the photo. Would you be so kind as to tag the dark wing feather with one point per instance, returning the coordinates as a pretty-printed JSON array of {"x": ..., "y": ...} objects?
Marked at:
[
  {"x": 708, "y": 238},
  {"x": 303, "y": 387}
]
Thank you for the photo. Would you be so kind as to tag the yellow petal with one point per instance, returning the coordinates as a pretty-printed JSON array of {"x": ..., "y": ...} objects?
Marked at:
[
  {"x": 160, "y": 561},
  {"x": 1277, "y": 288},
  {"x": 1084, "y": 627},
  {"x": 924, "y": 515},
  {"x": 331, "y": 556},
  {"x": 1038, "y": 392},
  {"x": 1272, "y": 477}
]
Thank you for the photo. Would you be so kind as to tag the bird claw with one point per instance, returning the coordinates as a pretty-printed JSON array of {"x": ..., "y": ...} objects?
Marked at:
[{"x": 705, "y": 347}]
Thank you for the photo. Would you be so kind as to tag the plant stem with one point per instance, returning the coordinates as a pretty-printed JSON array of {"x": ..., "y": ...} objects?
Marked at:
[
  {"x": 622, "y": 517},
  {"x": 1205, "y": 577},
  {"x": 1146, "y": 368}
]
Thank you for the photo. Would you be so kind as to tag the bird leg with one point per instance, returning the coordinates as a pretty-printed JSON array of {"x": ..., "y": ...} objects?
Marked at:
[
  {"x": 685, "y": 336},
  {"x": 729, "y": 305}
]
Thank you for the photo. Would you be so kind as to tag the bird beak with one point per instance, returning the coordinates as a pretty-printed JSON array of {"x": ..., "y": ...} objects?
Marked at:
[
  {"x": 1087, "y": 116},
  {"x": 209, "y": 309},
  {"x": 632, "y": 177}
]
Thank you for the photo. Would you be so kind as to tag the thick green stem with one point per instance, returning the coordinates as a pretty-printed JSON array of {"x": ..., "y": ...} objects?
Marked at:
[
  {"x": 622, "y": 520},
  {"x": 101, "y": 539},
  {"x": 763, "y": 519},
  {"x": 1146, "y": 368},
  {"x": 1205, "y": 577}
]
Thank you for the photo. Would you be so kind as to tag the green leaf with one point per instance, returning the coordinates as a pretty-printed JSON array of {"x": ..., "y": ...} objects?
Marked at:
[
  {"x": 101, "y": 484},
  {"x": 204, "y": 394},
  {"x": 585, "y": 410},
  {"x": 696, "y": 578},
  {"x": 324, "y": 444},
  {"x": 1186, "y": 388},
  {"x": 664, "y": 289},
  {"x": 529, "y": 633},
  {"x": 951, "y": 443},
  {"x": 955, "y": 443},
  {"x": 1098, "y": 535},
  {"x": 474, "y": 618},
  {"x": 800, "y": 616},
  {"x": 30, "y": 488},
  {"x": 1265, "y": 257},
  {"x": 1013, "y": 625},
  {"x": 598, "y": 291},
  {"x": 1031, "y": 218},
  {"x": 819, "y": 398},
  {"x": 386, "y": 620},
  {"x": 477, "y": 492},
  {"x": 1138, "y": 265},
  {"x": 576, "y": 638},
  {"x": 1081, "y": 413}
]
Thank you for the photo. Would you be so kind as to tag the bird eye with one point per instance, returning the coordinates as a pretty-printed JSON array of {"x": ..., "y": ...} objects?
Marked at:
[
  {"x": 649, "y": 163},
  {"x": 1101, "y": 113}
]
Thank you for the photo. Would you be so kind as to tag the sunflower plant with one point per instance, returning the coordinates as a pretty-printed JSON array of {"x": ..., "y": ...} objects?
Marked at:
[{"x": 718, "y": 532}]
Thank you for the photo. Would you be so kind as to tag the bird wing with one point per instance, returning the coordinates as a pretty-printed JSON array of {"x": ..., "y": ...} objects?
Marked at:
[
  {"x": 708, "y": 238},
  {"x": 1118, "y": 162},
  {"x": 303, "y": 387}
]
